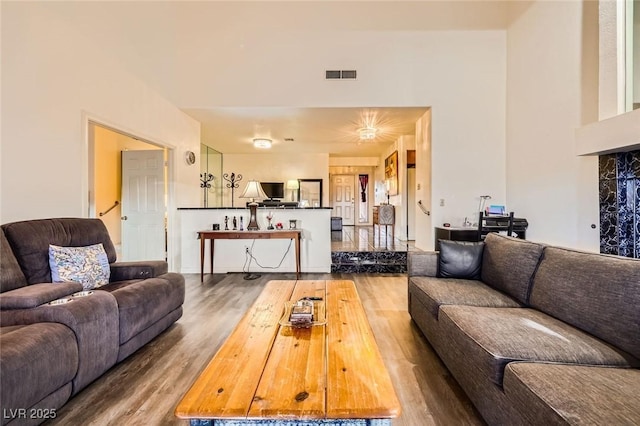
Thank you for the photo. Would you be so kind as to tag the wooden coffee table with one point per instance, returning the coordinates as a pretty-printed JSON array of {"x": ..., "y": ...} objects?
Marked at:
[{"x": 265, "y": 373}]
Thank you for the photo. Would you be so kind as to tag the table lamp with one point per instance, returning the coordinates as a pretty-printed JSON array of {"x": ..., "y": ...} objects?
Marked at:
[
  {"x": 293, "y": 185},
  {"x": 253, "y": 190}
]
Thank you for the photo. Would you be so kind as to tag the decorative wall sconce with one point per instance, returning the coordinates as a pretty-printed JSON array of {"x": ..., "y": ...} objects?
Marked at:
[{"x": 233, "y": 180}]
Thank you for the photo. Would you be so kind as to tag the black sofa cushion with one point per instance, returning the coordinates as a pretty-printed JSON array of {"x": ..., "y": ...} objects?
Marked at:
[{"x": 460, "y": 259}]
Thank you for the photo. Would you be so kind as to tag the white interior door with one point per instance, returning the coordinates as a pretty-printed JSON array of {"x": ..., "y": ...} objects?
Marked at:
[
  {"x": 143, "y": 205},
  {"x": 343, "y": 198}
]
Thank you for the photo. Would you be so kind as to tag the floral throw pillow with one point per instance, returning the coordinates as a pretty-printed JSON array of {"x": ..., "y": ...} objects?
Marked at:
[{"x": 88, "y": 265}]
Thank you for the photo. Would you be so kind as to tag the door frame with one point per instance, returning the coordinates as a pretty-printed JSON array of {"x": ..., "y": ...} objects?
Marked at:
[{"x": 88, "y": 183}]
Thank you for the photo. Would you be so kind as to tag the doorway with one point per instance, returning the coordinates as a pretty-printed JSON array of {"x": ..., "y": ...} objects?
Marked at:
[
  {"x": 343, "y": 198},
  {"x": 128, "y": 187}
]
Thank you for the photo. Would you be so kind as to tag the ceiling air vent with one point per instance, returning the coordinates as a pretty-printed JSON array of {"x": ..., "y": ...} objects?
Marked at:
[
  {"x": 332, "y": 74},
  {"x": 349, "y": 74},
  {"x": 340, "y": 74}
]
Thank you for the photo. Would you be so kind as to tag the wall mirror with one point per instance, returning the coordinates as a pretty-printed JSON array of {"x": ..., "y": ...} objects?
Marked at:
[
  {"x": 210, "y": 176},
  {"x": 310, "y": 193}
]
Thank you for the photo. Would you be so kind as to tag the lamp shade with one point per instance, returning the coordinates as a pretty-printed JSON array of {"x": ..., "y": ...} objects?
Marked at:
[
  {"x": 253, "y": 190},
  {"x": 293, "y": 184}
]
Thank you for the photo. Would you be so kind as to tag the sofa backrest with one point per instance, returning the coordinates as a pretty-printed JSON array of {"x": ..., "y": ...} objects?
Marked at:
[
  {"x": 597, "y": 293},
  {"x": 508, "y": 265},
  {"x": 30, "y": 242},
  {"x": 11, "y": 276}
]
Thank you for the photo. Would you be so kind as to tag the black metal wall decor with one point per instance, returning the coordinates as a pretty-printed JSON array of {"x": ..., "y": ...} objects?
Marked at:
[
  {"x": 233, "y": 180},
  {"x": 205, "y": 184},
  {"x": 620, "y": 204}
]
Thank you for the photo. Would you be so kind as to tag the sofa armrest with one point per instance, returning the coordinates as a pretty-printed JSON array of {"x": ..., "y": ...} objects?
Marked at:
[
  {"x": 30, "y": 296},
  {"x": 122, "y": 271},
  {"x": 422, "y": 263}
]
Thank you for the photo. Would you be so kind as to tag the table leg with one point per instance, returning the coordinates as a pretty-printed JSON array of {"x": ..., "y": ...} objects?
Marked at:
[
  {"x": 211, "y": 259},
  {"x": 202, "y": 259},
  {"x": 298, "y": 256}
]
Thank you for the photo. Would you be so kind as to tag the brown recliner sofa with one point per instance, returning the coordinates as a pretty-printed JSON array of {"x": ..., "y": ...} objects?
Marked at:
[{"x": 140, "y": 301}]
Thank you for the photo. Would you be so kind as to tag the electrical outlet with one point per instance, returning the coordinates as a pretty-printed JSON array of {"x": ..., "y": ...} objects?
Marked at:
[{"x": 246, "y": 249}]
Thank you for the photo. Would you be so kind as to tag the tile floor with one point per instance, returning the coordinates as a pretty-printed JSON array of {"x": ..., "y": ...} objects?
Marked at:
[{"x": 357, "y": 249}]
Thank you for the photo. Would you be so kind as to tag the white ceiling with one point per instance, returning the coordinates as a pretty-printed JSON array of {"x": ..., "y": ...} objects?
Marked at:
[
  {"x": 197, "y": 55},
  {"x": 313, "y": 130}
]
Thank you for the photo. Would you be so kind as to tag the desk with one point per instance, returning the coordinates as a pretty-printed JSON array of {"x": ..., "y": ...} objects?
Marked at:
[
  {"x": 289, "y": 234},
  {"x": 470, "y": 233}
]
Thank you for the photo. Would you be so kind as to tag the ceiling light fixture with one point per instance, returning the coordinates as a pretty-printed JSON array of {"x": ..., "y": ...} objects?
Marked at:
[
  {"x": 367, "y": 133},
  {"x": 262, "y": 143}
]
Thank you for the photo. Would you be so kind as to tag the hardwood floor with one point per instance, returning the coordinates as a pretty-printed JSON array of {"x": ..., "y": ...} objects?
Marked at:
[{"x": 146, "y": 387}]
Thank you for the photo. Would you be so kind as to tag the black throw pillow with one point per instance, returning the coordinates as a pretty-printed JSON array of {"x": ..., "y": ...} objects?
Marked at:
[{"x": 460, "y": 259}]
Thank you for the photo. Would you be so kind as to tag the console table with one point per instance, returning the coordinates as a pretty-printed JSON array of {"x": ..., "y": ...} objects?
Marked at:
[
  {"x": 384, "y": 214},
  {"x": 289, "y": 234}
]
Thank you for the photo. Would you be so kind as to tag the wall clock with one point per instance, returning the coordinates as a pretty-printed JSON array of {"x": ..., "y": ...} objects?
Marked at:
[{"x": 190, "y": 157}]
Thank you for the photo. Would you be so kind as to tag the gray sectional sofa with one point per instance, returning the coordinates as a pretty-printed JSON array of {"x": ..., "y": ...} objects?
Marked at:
[
  {"x": 49, "y": 353},
  {"x": 539, "y": 335}
]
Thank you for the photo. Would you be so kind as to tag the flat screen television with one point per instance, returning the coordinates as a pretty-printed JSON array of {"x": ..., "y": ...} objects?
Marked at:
[{"x": 274, "y": 190}]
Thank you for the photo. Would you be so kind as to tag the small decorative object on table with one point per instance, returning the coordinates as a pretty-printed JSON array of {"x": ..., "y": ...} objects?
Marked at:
[
  {"x": 226, "y": 223},
  {"x": 235, "y": 224},
  {"x": 304, "y": 313},
  {"x": 279, "y": 225},
  {"x": 241, "y": 224},
  {"x": 293, "y": 223},
  {"x": 269, "y": 219}
]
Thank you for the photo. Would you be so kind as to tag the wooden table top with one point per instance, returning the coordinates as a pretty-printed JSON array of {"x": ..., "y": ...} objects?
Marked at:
[{"x": 268, "y": 371}]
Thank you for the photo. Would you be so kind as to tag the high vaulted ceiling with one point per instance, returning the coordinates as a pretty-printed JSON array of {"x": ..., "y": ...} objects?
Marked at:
[{"x": 208, "y": 59}]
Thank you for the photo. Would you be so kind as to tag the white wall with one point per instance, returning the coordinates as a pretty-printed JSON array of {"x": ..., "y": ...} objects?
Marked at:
[
  {"x": 547, "y": 183},
  {"x": 461, "y": 75},
  {"x": 423, "y": 227},
  {"x": 636, "y": 52},
  {"x": 399, "y": 200},
  {"x": 53, "y": 80},
  {"x": 274, "y": 168}
]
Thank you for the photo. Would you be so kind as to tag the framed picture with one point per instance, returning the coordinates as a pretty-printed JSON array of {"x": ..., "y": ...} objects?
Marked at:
[{"x": 391, "y": 173}]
